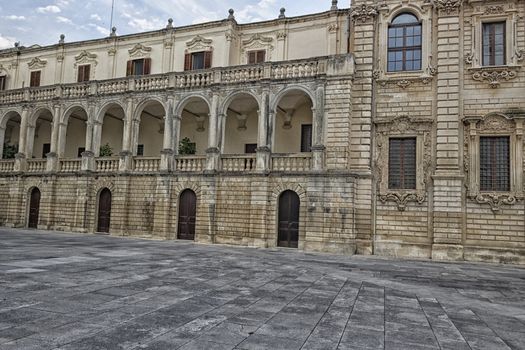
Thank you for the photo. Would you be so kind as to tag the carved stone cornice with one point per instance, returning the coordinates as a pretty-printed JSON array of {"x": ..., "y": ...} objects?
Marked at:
[
  {"x": 448, "y": 6},
  {"x": 403, "y": 83},
  {"x": 363, "y": 13},
  {"x": 494, "y": 76},
  {"x": 494, "y": 10},
  {"x": 199, "y": 43},
  {"x": 402, "y": 199},
  {"x": 496, "y": 200},
  {"x": 37, "y": 63},
  {"x": 85, "y": 57},
  {"x": 139, "y": 50}
]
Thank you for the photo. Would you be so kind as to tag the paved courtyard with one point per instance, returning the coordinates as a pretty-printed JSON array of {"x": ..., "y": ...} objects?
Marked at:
[{"x": 66, "y": 291}]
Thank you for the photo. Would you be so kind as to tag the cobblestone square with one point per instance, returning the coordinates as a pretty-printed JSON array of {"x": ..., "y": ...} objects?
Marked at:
[{"x": 67, "y": 291}]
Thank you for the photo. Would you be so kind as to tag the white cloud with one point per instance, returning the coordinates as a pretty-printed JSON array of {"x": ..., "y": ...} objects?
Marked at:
[
  {"x": 14, "y": 18},
  {"x": 95, "y": 17},
  {"x": 49, "y": 9},
  {"x": 65, "y": 20},
  {"x": 62, "y": 3},
  {"x": 6, "y": 42},
  {"x": 145, "y": 25},
  {"x": 100, "y": 29}
]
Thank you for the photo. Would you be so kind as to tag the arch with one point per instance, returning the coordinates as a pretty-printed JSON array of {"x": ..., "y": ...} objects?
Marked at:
[
  {"x": 277, "y": 98},
  {"x": 187, "y": 215},
  {"x": 104, "y": 199},
  {"x": 33, "y": 214},
  {"x": 187, "y": 99},
  {"x": 148, "y": 132},
  {"x": 105, "y": 107},
  {"x": 109, "y": 130},
  {"x": 8, "y": 115},
  {"x": 70, "y": 109},
  {"x": 297, "y": 188},
  {"x": 37, "y": 112},
  {"x": 10, "y": 127},
  {"x": 412, "y": 9},
  {"x": 288, "y": 222},
  {"x": 72, "y": 132},
  {"x": 405, "y": 43},
  {"x": 233, "y": 95},
  {"x": 292, "y": 120},
  {"x": 39, "y": 132},
  {"x": 148, "y": 101}
]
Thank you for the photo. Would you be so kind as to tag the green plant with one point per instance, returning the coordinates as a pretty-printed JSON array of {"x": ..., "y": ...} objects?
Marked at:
[
  {"x": 9, "y": 151},
  {"x": 106, "y": 150},
  {"x": 186, "y": 147}
]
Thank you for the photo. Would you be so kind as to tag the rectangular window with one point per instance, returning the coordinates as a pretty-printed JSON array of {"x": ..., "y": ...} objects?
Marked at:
[
  {"x": 306, "y": 138},
  {"x": 198, "y": 60},
  {"x": 494, "y": 44},
  {"x": 2, "y": 82},
  {"x": 83, "y": 73},
  {"x": 402, "y": 164},
  {"x": 250, "y": 148},
  {"x": 46, "y": 148},
  {"x": 140, "y": 150},
  {"x": 255, "y": 57},
  {"x": 80, "y": 151},
  {"x": 35, "y": 79},
  {"x": 494, "y": 163},
  {"x": 139, "y": 67}
]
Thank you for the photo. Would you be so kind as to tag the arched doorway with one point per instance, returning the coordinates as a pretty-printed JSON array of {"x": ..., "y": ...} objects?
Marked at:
[
  {"x": 187, "y": 215},
  {"x": 34, "y": 208},
  {"x": 288, "y": 235},
  {"x": 104, "y": 211}
]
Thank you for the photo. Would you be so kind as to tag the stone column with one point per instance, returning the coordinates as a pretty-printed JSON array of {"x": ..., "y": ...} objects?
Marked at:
[
  {"x": 88, "y": 156},
  {"x": 56, "y": 138},
  {"x": 126, "y": 155},
  {"x": 166, "y": 155},
  {"x": 213, "y": 153},
  {"x": 263, "y": 148},
  {"x": 2, "y": 138},
  {"x": 318, "y": 147},
  {"x": 448, "y": 180},
  {"x": 21, "y": 156}
]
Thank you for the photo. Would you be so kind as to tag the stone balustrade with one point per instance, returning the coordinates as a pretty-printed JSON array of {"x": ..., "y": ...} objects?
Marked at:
[
  {"x": 36, "y": 165},
  {"x": 70, "y": 165},
  {"x": 310, "y": 68},
  {"x": 291, "y": 162},
  {"x": 239, "y": 163},
  {"x": 107, "y": 165},
  {"x": 146, "y": 164},
  {"x": 190, "y": 163},
  {"x": 7, "y": 165}
]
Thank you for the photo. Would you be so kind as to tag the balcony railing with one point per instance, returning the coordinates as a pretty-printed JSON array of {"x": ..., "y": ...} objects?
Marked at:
[
  {"x": 107, "y": 165},
  {"x": 146, "y": 165},
  {"x": 239, "y": 163},
  {"x": 70, "y": 165},
  {"x": 309, "y": 68},
  {"x": 292, "y": 162},
  {"x": 7, "y": 165},
  {"x": 190, "y": 163},
  {"x": 36, "y": 165}
]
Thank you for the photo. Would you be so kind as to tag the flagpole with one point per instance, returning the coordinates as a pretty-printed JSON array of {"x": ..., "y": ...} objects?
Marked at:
[{"x": 111, "y": 21}]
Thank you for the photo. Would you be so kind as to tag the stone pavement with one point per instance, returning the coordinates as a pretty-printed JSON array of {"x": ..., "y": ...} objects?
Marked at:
[{"x": 76, "y": 292}]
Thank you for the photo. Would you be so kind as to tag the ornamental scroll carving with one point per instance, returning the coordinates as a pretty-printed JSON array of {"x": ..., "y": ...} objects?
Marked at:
[
  {"x": 494, "y": 76},
  {"x": 404, "y": 126},
  {"x": 494, "y": 124},
  {"x": 363, "y": 13},
  {"x": 448, "y": 6}
]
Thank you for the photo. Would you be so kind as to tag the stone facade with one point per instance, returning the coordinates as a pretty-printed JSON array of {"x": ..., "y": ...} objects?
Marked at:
[{"x": 339, "y": 84}]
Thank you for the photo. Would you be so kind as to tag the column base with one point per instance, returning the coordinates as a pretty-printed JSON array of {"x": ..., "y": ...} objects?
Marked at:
[
  {"x": 52, "y": 162},
  {"x": 88, "y": 161},
  {"x": 213, "y": 156},
  {"x": 20, "y": 162},
  {"x": 263, "y": 159},
  {"x": 166, "y": 160},
  {"x": 126, "y": 161},
  {"x": 318, "y": 157}
]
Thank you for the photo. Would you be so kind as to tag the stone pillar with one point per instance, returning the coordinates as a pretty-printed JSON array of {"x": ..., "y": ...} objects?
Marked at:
[
  {"x": 166, "y": 155},
  {"x": 263, "y": 147},
  {"x": 2, "y": 138},
  {"x": 23, "y": 131},
  {"x": 318, "y": 147},
  {"x": 161, "y": 215},
  {"x": 56, "y": 137},
  {"x": 213, "y": 153},
  {"x": 126, "y": 155},
  {"x": 448, "y": 180}
]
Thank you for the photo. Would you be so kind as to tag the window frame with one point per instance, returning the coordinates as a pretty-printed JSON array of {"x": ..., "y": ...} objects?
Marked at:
[
  {"x": 405, "y": 48},
  {"x": 492, "y": 57},
  {"x": 3, "y": 82},
  {"x": 131, "y": 67},
  {"x": 82, "y": 67},
  {"x": 31, "y": 73},
  {"x": 494, "y": 164},
  {"x": 189, "y": 60},
  {"x": 402, "y": 173},
  {"x": 256, "y": 56}
]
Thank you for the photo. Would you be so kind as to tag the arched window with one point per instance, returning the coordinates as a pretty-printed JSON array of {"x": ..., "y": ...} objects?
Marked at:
[{"x": 404, "y": 43}]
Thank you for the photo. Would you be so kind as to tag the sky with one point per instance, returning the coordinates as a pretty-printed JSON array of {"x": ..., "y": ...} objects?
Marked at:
[{"x": 42, "y": 21}]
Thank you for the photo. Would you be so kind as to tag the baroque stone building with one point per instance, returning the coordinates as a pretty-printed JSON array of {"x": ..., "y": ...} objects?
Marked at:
[{"x": 394, "y": 127}]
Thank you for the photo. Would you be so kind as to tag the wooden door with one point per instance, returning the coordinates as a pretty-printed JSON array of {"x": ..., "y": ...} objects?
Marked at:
[
  {"x": 288, "y": 235},
  {"x": 187, "y": 215},
  {"x": 34, "y": 208},
  {"x": 104, "y": 211}
]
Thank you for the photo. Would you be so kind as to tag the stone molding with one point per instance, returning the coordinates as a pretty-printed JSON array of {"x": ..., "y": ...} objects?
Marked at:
[
  {"x": 139, "y": 51},
  {"x": 494, "y": 76},
  {"x": 37, "y": 63},
  {"x": 448, "y": 7},
  {"x": 404, "y": 126},
  {"x": 199, "y": 43},
  {"x": 363, "y": 13}
]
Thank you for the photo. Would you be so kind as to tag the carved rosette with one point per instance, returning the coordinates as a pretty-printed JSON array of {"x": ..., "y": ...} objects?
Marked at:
[
  {"x": 494, "y": 77},
  {"x": 363, "y": 13},
  {"x": 449, "y": 6},
  {"x": 400, "y": 127}
]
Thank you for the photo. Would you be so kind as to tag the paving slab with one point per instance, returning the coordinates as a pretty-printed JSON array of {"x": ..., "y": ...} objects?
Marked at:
[{"x": 64, "y": 291}]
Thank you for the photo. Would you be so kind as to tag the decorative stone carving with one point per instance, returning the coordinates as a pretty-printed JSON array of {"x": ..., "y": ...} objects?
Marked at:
[
  {"x": 449, "y": 6},
  {"x": 363, "y": 13},
  {"x": 402, "y": 126},
  {"x": 469, "y": 58},
  {"x": 494, "y": 10},
  {"x": 493, "y": 76},
  {"x": 37, "y": 63},
  {"x": 281, "y": 36},
  {"x": 520, "y": 55},
  {"x": 402, "y": 82},
  {"x": 139, "y": 50},
  {"x": 199, "y": 44},
  {"x": 258, "y": 42},
  {"x": 496, "y": 200},
  {"x": 332, "y": 28},
  {"x": 85, "y": 57}
]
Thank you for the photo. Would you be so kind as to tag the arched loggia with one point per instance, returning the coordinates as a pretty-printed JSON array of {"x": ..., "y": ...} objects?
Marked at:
[
  {"x": 148, "y": 138},
  {"x": 108, "y": 131},
  {"x": 39, "y": 131},
  {"x": 193, "y": 132},
  {"x": 9, "y": 135},
  {"x": 240, "y": 134},
  {"x": 73, "y": 136}
]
